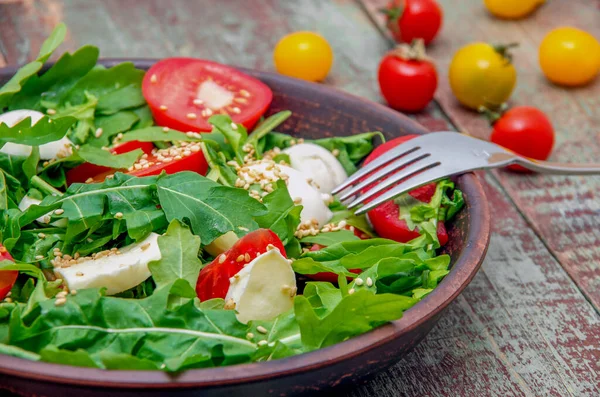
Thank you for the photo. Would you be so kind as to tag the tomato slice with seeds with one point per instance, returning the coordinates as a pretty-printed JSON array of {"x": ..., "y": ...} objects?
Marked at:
[
  {"x": 84, "y": 171},
  {"x": 213, "y": 280},
  {"x": 386, "y": 217},
  {"x": 184, "y": 92},
  {"x": 7, "y": 277},
  {"x": 162, "y": 160}
]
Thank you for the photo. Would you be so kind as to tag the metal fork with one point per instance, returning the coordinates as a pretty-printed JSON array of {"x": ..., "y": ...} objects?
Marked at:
[{"x": 435, "y": 156}]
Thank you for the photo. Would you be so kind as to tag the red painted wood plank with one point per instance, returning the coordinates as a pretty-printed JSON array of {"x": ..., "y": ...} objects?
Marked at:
[
  {"x": 565, "y": 211},
  {"x": 521, "y": 327}
]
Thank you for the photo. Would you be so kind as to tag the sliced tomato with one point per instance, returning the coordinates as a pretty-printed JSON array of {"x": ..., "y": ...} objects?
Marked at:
[
  {"x": 7, "y": 277},
  {"x": 184, "y": 92},
  {"x": 84, "y": 171},
  {"x": 213, "y": 281},
  {"x": 194, "y": 162},
  {"x": 386, "y": 217}
]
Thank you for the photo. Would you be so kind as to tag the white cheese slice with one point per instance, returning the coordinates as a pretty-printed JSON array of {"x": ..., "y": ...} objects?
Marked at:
[
  {"x": 313, "y": 202},
  {"x": 317, "y": 163},
  {"x": 264, "y": 288},
  {"x": 116, "y": 272},
  {"x": 48, "y": 150},
  {"x": 214, "y": 96}
]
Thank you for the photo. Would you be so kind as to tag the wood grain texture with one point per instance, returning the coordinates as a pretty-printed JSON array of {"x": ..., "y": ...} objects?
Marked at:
[
  {"x": 521, "y": 328},
  {"x": 565, "y": 211}
]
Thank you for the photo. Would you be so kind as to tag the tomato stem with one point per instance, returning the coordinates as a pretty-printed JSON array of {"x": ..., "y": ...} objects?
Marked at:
[
  {"x": 504, "y": 50},
  {"x": 493, "y": 115},
  {"x": 414, "y": 51}
]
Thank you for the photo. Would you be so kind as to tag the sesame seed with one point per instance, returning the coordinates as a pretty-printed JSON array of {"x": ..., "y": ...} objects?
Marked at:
[
  {"x": 247, "y": 257},
  {"x": 73, "y": 292},
  {"x": 369, "y": 282},
  {"x": 163, "y": 107},
  {"x": 293, "y": 291},
  {"x": 8, "y": 300},
  {"x": 298, "y": 200},
  {"x": 240, "y": 258},
  {"x": 145, "y": 247},
  {"x": 249, "y": 335},
  {"x": 240, "y": 100},
  {"x": 89, "y": 180},
  {"x": 335, "y": 152},
  {"x": 60, "y": 301},
  {"x": 244, "y": 93},
  {"x": 358, "y": 281},
  {"x": 222, "y": 258},
  {"x": 38, "y": 257},
  {"x": 342, "y": 224},
  {"x": 45, "y": 163},
  {"x": 234, "y": 126},
  {"x": 350, "y": 291},
  {"x": 262, "y": 343},
  {"x": 261, "y": 329},
  {"x": 236, "y": 110},
  {"x": 79, "y": 274},
  {"x": 41, "y": 235},
  {"x": 153, "y": 78},
  {"x": 191, "y": 116},
  {"x": 59, "y": 211},
  {"x": 166, "y": 129},
  {"x": 51, "y": 111},
  {"x": 208, "y": 112},
  {"x": 197, "y": 102},
  {"x": 119, "y": 215},
  {"x": 271, "y": 247}
]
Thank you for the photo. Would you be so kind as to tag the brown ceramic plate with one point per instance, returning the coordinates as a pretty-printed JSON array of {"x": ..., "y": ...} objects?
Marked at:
[{"x": 318, "y": 111}]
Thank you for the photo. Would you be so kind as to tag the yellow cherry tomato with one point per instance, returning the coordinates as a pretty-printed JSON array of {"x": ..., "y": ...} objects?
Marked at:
[
  {"x": 304, "y": 55},
  {"x": 482, "y": 75},
  {"x": 570, "y": 56},
  {"x": 512, "y": 9}
]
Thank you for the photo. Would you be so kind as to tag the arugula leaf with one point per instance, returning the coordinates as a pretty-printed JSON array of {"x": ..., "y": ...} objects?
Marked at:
[
  {"x": 101, "y": 81},
  {"x": 179, "y": 256},
  {"x": 188, "y": 195},
  {"x": 174, "y": 339},
  {"x": 310, "y": 266},
  {"x": 323, "y": 297},
  {"x": 337, "y": 251},
  {"x": 355, "y": 314},
  {"x": 14, "y": 85},
  {"x": 217, "y": 161},
  {"x": 236, "y": 137},
  {"x": 330, "y": 238},
  {"x": 51, "y": 85},
  {"x": 105, "y": 158},
  {"x": 283, "y": 216},
  {"x": 158, "y": 134},
  {"x": 84, "y": 113},
  {"x": 111, "y": 125},
  {"x": 44, "y": 131},
  {"x": 265, "y": 127},
  {"x": 31, "y": 163},
  {"x": 127, "y": 97}
]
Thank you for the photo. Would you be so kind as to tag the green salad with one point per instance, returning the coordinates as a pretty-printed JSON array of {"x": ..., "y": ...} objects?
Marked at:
[{"x": 156, "y": 220}]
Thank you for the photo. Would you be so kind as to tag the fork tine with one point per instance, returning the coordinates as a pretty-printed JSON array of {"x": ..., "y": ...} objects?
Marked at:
[
  {"x": 406, "y": 172},
  {"x": 385, "y": 158},
  {"x": 385, "y": 171},
  {"x": 432, "y": 174}
]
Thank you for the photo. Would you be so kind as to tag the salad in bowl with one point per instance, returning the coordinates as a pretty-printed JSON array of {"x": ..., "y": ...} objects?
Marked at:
[{"x": 157, "y": 220}]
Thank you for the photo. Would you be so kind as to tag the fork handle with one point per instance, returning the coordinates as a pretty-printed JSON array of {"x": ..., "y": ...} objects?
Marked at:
[{"x": 548, "y": 167}]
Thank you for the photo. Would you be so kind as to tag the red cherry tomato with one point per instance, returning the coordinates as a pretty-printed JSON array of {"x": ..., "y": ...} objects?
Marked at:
[
  {"x": 414, "y": 19},
  {"x": 84, "y": 171},
  {"x": 332, "y": 277},
  {"x": 184, "y": 92},
  {"x": 213, "y": 281},
  {"x": 407, "y": 84},
  {"x": 386, "y": 217},
  {"x": 7, "y": 277},
  {"x": 524, "y": 130}
]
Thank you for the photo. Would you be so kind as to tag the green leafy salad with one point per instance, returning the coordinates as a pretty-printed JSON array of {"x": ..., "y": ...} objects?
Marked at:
[{"x": 156, "y": 220}]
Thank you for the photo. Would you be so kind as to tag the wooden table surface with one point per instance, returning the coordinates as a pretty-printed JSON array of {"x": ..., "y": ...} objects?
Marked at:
[{"x": 529, "y": 322}]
